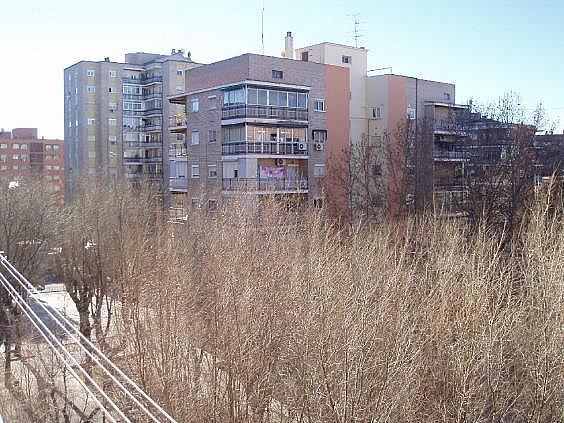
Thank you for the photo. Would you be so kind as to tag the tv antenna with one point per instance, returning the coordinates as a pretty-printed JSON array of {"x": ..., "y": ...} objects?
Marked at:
[
  {"x": 356, "y": 33},
  {"x": 262, "y": 28}
]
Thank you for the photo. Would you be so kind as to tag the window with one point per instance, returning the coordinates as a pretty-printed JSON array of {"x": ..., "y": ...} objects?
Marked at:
[
  {"x": 319, "y": 105},
  {"x": 90, "y": 72},
  {"x": 3, "y": 167},
  {"x": 112, "y": 122},
  {"x": 3, "y": 145},
  {"x": 319, "y": 170},
  {"x": 195, "y": 203},
  {"x": 318, "y": 203},
  {"x": 179, "y": 72},
  {"x": 91, "y": 121},
  {"x": 112, "y": 90},
  {"x": 48, "y": 167},
  {"x": 277, "y": 74},
  {"x": 195, "y": 104},
  {"x": 447, "y": 96},
  {"x": 305, "y": 56},
  {"x": 3, "y": 158},
  {"x": 212, "y": 135},
  {"x": 90, "y": 89},
  {"x": 411, "y": 113},
  {"x": 195, "y": 171},
  {"x": 91, "y": 137},
  {"x": 212, "y": 102},
  {"x": 15, "y": 146},
  {"x": 195, "y": 138},
  {"x": 234, "y": 97},
  {"x": 319, "y": 136},
  {"x": 346, "y": 59},
  {"x": 112, "y": 107},
  {"x": 212, "y": 205},
  {"x": 112, "y": 73},
  {"x": 16, "y": 157},
  {"x": 212, "y": 171},
  {"x": 112, "y": 139},
  {"x": 91, "y": 154},
  {"x": 23, "y": 146},
  {"x": 377, "y": 112},
  {"x": 56, "y": 167},
  {"x": 56, "y": 147}
]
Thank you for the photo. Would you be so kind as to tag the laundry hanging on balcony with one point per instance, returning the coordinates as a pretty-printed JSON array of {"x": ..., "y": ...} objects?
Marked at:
[{"x": 272, "y": 172}]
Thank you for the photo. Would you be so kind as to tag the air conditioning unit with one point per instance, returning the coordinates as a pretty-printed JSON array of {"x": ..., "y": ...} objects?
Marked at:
[
  {"x": 319, "y": 146},
  {"x": 302, "y": 146},
  {"x": 280, "y": 162}
]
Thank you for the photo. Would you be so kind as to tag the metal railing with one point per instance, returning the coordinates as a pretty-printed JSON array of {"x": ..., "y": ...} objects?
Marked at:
[
  {"x": 142, "y": 160},
  {"x": 265, "y": 184},
  {"x": 269, "y": 148},
  {"x": 448, "y": 126},
  {"x": 174, "y": 121},
  {"x": 178, "y": 183},
  {"x": 450, "y": 155},
  {"x": 264, "y": 112}
]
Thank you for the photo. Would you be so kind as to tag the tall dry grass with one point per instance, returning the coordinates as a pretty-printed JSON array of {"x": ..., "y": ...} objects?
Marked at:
[{"x": 276, "y": 315}]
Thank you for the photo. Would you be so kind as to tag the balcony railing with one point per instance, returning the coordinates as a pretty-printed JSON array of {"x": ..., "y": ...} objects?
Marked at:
[
  {"x": 142, "y": 144},
  {"x": 143, "y": 80},
  {"x": 263, "y": 112},
  {"x": 265, "y": 184},
  {"x": 450, "y": 155},
  {"x": 268, "y": 148},
  {"x": 449, "y": 126},
  {"x": 174, "y": 121},
  {"x": 151, "y": 127},
  {"x": 178, "y": 183},
  {"x": 142, "y": 160}
]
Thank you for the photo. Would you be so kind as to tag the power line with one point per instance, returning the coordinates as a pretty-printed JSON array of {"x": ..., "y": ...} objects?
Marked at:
[
  {"x": 25, "y": 284},
  {"x": 24, "y": 307}
]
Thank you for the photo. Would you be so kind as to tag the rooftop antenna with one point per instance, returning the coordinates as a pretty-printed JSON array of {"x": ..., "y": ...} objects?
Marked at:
[
  {"x": 356, "y": 33},
  {"x": 262, "y": 28}
]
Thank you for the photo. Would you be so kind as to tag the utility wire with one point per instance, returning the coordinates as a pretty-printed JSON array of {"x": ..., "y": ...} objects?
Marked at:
[
  {"x": 43, "y": 332},
  {"x": 32, "y": 290}
]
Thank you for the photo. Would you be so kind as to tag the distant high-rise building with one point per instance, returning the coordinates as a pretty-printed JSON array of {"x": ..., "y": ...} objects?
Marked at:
[
  {"x": 116, "y": 116},
  {"x": 23, "y": 154}
]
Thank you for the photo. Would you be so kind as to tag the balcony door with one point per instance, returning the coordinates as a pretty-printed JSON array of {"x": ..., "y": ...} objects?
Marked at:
[{"x": 292, "y": 176}]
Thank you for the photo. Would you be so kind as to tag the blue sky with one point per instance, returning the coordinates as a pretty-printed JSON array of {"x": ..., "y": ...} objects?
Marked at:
[{"x": 485, "y": 47}]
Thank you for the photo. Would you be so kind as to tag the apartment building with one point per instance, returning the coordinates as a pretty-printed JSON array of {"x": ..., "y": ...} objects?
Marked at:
[
  {"x": 258, "y": 124},
  {"x": 355, "y": 60},
  {"x": 23, "y": 154},
  {"x": 116, "y": 116}
]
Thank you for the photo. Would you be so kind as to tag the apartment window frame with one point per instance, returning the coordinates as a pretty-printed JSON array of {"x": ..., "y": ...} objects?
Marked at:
[
  {"x": 179, "y": 72},
  {"x": 212, "y": 205},
  {"x": 112, "y": 122},
  {"x": 212, "y": 136},
  {"x": 212, "y": 171},
  {"x": 377, "y": 112},
  {"x": 91, "y": 121},
  {"x": 345, "y": 59},
  {"x": 277, "y": 74},
  {"x": 112, "y": 90},
  {"x": 112, "y": 73},
  {"x": 195, "y": 105},
  {"x": 319, "y": 105},
  {"x": 90, "y": 72},
  {"x": 319, "y": 170},
  {"x": 195, "y": 171},
  {"x": 90, "y": 89},
  {"x": 212, "y": 102},
  {"x": 195, "y": 138}
]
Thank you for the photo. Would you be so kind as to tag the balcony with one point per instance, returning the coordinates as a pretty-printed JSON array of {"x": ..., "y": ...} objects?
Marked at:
[
  {"x": 266, "y": 148},
  {"x": 178, "y": 184},
  {"x": 446, "y": 155},
  {"x": 143, "y": 80},
  {"x": 151, "y": 127},
  {"x": 264, "y": 112},
  {"x": 177, "y": 124},
  {"x": 266, "y": 185},
  {"x": 141, "y": 144},
  {"x": 448, "y": 126},
  {"x": 142, "y": 160}
]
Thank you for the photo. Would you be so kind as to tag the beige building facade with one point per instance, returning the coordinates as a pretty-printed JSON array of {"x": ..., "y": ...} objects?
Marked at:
[{"x": 116, "y": 116}]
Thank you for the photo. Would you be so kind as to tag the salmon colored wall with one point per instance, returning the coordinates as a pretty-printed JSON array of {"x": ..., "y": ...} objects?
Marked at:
[{"x": 338, "y": 125}]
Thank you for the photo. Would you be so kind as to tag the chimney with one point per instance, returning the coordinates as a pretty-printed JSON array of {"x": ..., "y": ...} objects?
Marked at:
[
  {"x": 106, "y": 59},
  {"x": 289, "y": 45},
  {"x": 173, "y": 51}
]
